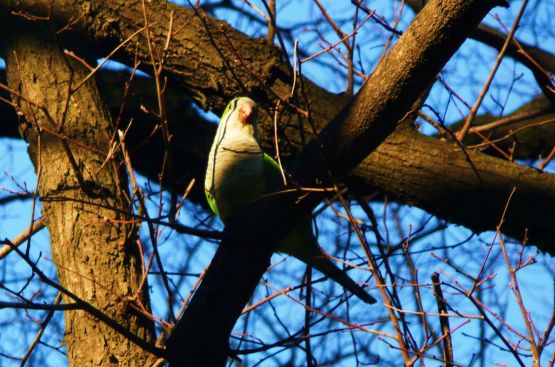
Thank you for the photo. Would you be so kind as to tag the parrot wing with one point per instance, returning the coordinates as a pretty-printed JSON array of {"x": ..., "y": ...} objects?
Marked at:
[
  {"x": 272, "y": 174},
  {"x": 211, "y": 202},
  {"x": 319, "y": 260}
]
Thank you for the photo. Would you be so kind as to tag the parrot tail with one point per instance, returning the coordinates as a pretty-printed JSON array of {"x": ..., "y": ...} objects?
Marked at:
[
  {"x": 320, "y": 261},
  {"x": 302, "y": 244}
]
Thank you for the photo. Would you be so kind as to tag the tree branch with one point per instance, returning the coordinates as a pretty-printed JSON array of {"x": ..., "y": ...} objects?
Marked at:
[
  {"x": 207, "y": 45},
  {"x": 540, "y": 62},
  {"x": 252, "y": 234}
]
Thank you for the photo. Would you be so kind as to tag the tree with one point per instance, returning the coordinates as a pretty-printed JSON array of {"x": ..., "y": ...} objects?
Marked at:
[{"x": 357, "y": 152}]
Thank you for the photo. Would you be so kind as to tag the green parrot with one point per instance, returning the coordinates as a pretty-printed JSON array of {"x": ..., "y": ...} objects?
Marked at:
[{"x": 239, "y": 172}]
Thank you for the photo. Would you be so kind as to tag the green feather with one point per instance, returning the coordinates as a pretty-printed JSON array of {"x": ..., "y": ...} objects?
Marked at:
[
  {"x": 211, "y": 202},
  {"x": 272, "y": 173}
]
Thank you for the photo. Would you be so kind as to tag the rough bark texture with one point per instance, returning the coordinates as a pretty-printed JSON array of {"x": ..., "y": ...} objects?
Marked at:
[
  {"x": 207, "y": 57},
  {"x": 95, "y": 253},
  {"x": 530, "y": 135},
  {"x": 396, "y": 83},
  {"x": 471, "y": 182},
  {"x": 214, "y": 62}
]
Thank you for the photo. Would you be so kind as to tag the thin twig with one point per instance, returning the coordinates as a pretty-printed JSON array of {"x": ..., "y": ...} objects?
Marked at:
[
  {"x": 88, "y": 307},
  {"x": 272, "y": 23},
  {"x": 547, "y": 159},
  {"x": 35, "y": 227},
  {"x": 90, "y": 75},
  {"x": 151, "y": 230},
  {"x": 338, "y": 42},
  {"x": 276, "y": 142},
  {"x": 443, "y": 321},
  {"x": 518, "y": 295},
  {"x": 380, "y": 282},
  {"x": 43, "y": 326},
  {"x": 468, "y": 122}
]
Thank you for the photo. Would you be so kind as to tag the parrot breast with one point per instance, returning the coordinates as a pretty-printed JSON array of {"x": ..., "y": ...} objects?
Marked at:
[{"x": 235, "y": 174}]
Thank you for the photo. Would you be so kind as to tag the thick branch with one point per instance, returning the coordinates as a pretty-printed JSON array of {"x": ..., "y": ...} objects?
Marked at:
[
  {"x": 204, "y": 57},
  {"x": 540, "y": 62},
  {"x": 386, "y": 97},
  {"x": 207, "y": 49},
  {"x": 527, "y": 133},
  {"x": 449, "y": 183},
  {"x": 252, "y": 234}
]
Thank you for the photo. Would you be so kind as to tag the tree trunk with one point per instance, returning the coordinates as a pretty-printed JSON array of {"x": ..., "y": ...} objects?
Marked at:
[
  {"x": 212, "y": 62},
  {"x": 84, "y": 199}
]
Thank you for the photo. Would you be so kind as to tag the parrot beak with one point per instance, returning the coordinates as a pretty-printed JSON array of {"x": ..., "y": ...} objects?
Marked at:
[{"x": 246, "y": 113}]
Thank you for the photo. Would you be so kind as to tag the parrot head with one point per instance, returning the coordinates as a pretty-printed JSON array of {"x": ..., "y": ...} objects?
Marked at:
[{"x": 240, "y": 115}]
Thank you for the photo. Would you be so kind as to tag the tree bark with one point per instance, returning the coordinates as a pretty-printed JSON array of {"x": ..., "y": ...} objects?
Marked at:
[
  {"x": 451, "y": 183},
  {"x": 213, "y": 62},
  {"x": 531, "y": 134},
  {"x": 83, "y": 195},
  {"x": 541, "y": 63}
]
